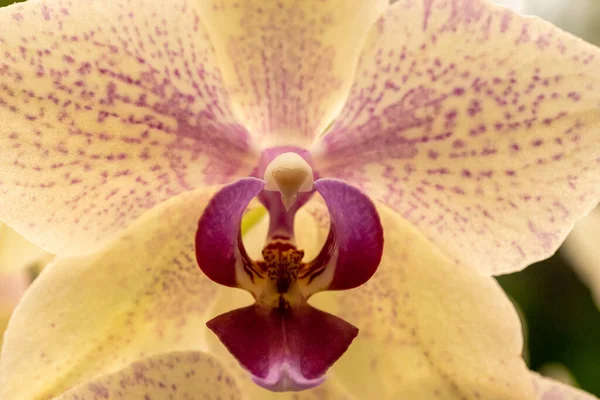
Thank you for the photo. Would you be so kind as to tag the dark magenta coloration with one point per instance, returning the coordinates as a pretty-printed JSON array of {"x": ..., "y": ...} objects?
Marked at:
[
  {"x": 269, "y": 342},
  {"x": 356, "y": 231},
  {"x": 219, "y": 228}
]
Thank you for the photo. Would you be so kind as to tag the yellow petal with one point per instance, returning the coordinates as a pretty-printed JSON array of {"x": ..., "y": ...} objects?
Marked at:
[
  {"x": 581, "y": 249},
  {"x": 288, "y": 64},
  {"x": 547, "y": 389},
  {"x": 16, "y": 252},
  {"x": 141, "y": 295},
  {"x": 229, "y": 299},
  {"x": 108, "y": 108},
  {"x": 429, "y": 328},
  {"x": 178, "y": 375},
  {"x": 478, "y": 125}
]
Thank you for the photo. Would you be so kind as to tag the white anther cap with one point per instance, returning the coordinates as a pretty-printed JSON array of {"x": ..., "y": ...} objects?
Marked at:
[{"x": 289, "y": 174}]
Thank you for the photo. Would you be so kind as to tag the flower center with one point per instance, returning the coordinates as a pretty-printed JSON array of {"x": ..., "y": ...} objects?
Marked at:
[
  {"x": 288, "y": 174},
  {"x": 282, "y": 262},
  {"x": 284, "y": 342}
]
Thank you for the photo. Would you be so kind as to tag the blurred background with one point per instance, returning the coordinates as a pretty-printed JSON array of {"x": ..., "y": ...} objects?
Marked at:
[{"x": 560, "y": 318}]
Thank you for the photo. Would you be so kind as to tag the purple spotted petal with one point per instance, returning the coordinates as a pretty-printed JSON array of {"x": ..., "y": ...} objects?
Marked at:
[
  {"x": 355, "y": 243},
  {"x": 285, "y": 63},
  {"x": 108, "y": 108},
  {"x": 289, "y": 350},
  {"x": 478, "y": 125},
  {"x": 218, "y": 245}
]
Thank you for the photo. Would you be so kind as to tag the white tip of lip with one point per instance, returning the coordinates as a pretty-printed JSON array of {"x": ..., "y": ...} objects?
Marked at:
[{"x": 285, "y": 378}]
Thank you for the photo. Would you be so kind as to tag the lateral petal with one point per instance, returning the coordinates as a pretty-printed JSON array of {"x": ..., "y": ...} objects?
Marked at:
[
  {"x": 107, "y": 109},
  {"x": 476, "y": 124}
]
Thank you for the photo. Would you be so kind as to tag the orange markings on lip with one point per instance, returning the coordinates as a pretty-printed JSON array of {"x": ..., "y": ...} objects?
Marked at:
[{"x": 282, "y": 261}]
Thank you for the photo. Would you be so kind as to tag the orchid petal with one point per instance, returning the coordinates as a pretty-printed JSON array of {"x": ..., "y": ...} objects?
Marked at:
[
  {"x": 233, "y": 299},
  {"x": 355, "y": 231},
  {"x": 284, "y": 351},
  {"x": 177, "y": 375},
  {"x": 428, "y": 329},
  {"x": 83, "y": 317},
  {"x": 17, "y": 253},
  {"x": 581, "y": 249},
  {"x": 288, "y": 64},
  {"x": 107, "y": 109},
  {"x": 218, "y": 251},
  {"x": 478, "y": 125},
  {"x": 547, "y": 389}
]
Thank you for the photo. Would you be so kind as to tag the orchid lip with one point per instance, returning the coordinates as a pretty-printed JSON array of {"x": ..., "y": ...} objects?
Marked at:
[
  {"x": 282, "y": 341},
  {"x": 283, "y": 378}
]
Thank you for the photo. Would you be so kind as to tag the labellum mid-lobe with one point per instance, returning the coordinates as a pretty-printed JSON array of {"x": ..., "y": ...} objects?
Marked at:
[{"x": 285, "y": 343}]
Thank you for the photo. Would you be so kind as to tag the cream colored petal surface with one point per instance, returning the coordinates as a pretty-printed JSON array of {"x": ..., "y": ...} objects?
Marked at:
[
  {"x": 582, "y": 250},
  {"x": 170, "y": 376},
  {"x": 288, "y": 64},
  {"x": 547, "y": 389},
  {"x": 84, "y": 317},
  {"x": 478, "y": 125},
  {"x": 429, "y": 328},
  {"x": 16, "y": 252},
  {"x": 108, "y": 108}
]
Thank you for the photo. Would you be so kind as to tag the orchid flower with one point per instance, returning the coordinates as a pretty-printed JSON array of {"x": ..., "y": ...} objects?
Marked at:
[
  {"x": 581, "y": 249},
  {"x": 441, "y": 141}
]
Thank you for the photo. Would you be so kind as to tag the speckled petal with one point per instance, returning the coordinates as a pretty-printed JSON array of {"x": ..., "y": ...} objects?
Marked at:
[
  {"x": 428, "y": 330},
  {"x": 17, "y": 253},
  {"x": 107, "y": 109},
  {"x": 177, "y": 375},
  {"x": 547, "y": 389},
  {"x": 288, "y": 64},
  {"x": 479, "y": 126},
  {"x": 83, "y": 317},
  {"x": 581, "y": 249}
]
